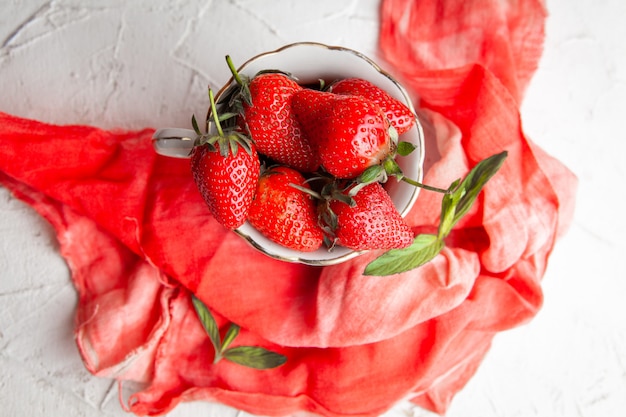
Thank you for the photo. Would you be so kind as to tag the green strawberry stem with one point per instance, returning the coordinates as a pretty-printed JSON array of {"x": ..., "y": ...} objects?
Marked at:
[
  {"x": 425, "y": 186},
  {"x": 390, "y": 168},
  {"x": 216, "y": 117},
  {"x": 241, "y": 94},
  {"x": 232, "y": 68}
]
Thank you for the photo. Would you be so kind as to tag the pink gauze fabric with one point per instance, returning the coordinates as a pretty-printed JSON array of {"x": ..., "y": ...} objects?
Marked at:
[{"x": 355, "y": 345}]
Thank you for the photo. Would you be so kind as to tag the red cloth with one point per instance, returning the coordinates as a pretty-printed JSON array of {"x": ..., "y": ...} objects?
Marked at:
[{"x": 138, "y": 240}]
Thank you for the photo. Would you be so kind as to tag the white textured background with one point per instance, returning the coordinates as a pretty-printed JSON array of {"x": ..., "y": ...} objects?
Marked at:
[{"x": 133, "y": 64}]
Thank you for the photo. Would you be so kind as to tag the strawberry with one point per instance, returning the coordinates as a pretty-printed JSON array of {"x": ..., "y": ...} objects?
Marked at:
[
  {"x": 400, "y": 116},
  {"x": 225, "y": 168},
  {"x": 265, "y": 102},
  {"x": 348, "y": 133},
  {"x": 370, "y": 222},
  {"x": 285, "y": 214}
]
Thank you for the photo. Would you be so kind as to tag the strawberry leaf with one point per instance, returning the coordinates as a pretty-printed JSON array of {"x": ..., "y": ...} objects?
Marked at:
[
  {"x": 225, "y": 147},
  {"x": 208, "y": 322},
  {"x": 330, "y": 218},
  {"x": 194, "y": 124},
  {"x": 405, "y": 148},
  {"x": 242, "y": 140},
  {"x": 234, "y": 147},
  {"x": 225, "y": 116},
  {"x": 227, "y": 97},
  {"x": 254, "y": 357},
  {"x": 423, "y": 249},
  {"x": 392, "y": 168},
  {"x": 371, "y": 174}
]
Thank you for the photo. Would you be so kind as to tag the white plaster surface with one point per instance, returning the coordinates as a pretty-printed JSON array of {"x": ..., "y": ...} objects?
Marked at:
[{"x": 132, "y": 64}]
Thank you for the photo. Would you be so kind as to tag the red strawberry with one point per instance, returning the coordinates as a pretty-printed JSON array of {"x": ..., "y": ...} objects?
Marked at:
[
  {"x": 400, "y": 116},
  {"x": 225, "y": 168},
  {"x": 348, "y": 133},
  {"x": 372, "y": 223},
  {"x": 285, "y": 214},
  {"x": 268, "y": 117}
]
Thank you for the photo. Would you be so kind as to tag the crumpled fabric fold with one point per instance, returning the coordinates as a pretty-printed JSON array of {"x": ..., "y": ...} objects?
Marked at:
[{"x": 139, "y": 241}]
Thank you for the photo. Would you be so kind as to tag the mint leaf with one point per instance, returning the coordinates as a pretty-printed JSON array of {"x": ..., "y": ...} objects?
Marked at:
[
  {"x": 448, "y": 209},
  {"x": 460, "y": 201},
  {"x": 231, "y": 334},
  {"x": 456, "y": 202},
  {"x": 250, "y": 356},
  {"x": 208, "y": 322},
  {"x": 405, "y": 148},
  {"x": 424, "y": 248},
  {"x": 476, "y": 180},
  {"x": 254, "y": 357}
]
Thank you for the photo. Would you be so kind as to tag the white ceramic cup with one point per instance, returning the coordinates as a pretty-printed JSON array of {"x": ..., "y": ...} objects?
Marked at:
[{"x": 309, "y": 62}]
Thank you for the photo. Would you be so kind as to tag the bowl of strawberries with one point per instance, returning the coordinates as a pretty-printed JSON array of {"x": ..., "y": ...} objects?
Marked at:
[{"x": 311, "y": 153}]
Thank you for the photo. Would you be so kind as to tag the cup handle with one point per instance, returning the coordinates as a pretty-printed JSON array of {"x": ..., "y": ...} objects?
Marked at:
[{"x": 174, "y": 142}]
